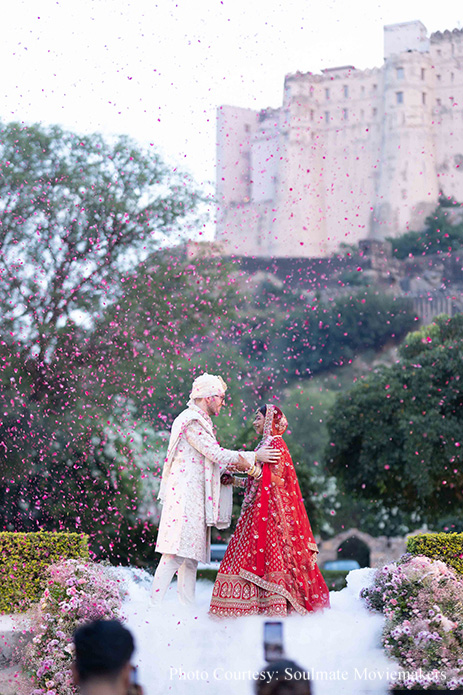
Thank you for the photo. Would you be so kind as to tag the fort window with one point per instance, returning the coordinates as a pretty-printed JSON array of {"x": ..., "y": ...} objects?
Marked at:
[
  {"x": 327, "y": 116},
  {"x": 327, "y": 93},
  {"x": 345, "y": 115},
  {"x": 423, "y": 98},
  {"x": 399, "y": 96},
  {"x": 438, "y": 77},
  {"x": 346, "y": 90},
  {"x": 438, "y": 102},
  {"x": 311, "y": 115},
  {"x": 399, "y": 73},
  {"x": 375, "y": 112},
  {"x": 423, "y": 73}
]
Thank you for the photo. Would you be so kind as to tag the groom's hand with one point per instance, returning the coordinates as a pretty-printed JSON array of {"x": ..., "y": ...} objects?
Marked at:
[
  {"x": 268, "y": 455},
  {"x": 243, "y": 464}
]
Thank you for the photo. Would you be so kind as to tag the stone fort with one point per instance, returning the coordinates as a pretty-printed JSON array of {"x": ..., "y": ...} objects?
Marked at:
[{"x": 350, "y": 155}]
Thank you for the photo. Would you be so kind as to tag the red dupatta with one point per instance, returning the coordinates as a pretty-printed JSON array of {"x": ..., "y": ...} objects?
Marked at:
[
  {"x": 275, "y": 424},
  {"x": 284, "y": 537}
]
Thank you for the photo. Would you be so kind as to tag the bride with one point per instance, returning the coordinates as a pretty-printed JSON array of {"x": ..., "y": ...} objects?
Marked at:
[{"x": 270, "y": 563}]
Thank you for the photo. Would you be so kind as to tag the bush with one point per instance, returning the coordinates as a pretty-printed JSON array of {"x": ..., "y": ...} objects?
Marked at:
[
  {"x": 76, "y": 593},
  {"x": 422, "y": 601},
  {"x": 24, "y": 559},
  {"x": 447, "y": 547}
]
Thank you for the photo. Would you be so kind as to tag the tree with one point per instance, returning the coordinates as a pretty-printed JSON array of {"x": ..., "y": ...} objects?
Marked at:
[
  {"x": 96, "y": 315},
  {"x": 334, "y": 510},
  {"x": 396, "y": 437},
  {"x": 441, "y": 234},
  {"x": 287, "y": 336},
  {"x": 172, "y": 312},
  {"x": 318, "y": 337},
  {"x": 75, "y": 211}
]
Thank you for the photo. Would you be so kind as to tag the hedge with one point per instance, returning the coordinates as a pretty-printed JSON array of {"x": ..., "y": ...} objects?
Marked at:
[
  {"x": 335, "y": 579},
  {"x": 208, "y": 574},
  {"x": 447, "y": 547},
  {"x": 24, "y": 558}
]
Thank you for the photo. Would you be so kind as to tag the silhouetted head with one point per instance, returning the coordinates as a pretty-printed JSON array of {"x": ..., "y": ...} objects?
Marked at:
[
  {"x": 283, "y": 677},
  {"x": 103, "y": 650}
]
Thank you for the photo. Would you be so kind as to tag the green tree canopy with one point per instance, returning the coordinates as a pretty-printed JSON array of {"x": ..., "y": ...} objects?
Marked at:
[
  {"x": 100, "y": 323},
  {"x": 441, "y": 234},
  {"x": 297, "y": 337},
  {"x": 74, "y": 211},
  {"x": 396, "y": 436}
]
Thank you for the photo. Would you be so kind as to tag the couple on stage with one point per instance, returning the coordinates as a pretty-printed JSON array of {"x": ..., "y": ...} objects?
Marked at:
[{"x": 270, "y": 564}]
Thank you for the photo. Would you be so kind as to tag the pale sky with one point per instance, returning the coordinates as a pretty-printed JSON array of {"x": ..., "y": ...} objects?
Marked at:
[{"x": 158, "y": 71}]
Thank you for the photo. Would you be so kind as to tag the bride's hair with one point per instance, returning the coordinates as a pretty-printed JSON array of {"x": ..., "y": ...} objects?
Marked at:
[{"x": 277, "y": 413}]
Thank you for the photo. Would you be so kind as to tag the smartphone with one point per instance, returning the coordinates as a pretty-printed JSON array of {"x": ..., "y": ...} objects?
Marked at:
[{"x": 273, "y": 640}]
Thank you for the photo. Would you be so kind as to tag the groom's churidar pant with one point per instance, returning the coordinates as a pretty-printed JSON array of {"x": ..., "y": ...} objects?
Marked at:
[{"x": 186, "y": 582}]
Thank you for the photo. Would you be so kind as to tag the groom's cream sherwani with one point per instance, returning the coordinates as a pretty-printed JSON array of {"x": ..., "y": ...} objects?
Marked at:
[{"x": 192, "y": 496}]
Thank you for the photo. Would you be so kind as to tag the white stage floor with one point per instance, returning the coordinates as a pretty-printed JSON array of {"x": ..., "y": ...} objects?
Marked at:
[{"x": 182, "y": 650}]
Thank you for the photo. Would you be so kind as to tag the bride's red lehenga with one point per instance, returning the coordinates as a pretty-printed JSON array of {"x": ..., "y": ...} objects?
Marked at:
[{"x": 270, "y": 567}]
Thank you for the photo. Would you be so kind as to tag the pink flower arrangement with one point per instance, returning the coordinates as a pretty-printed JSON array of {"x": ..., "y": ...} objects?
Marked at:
[
  {"x": 422, "y": 600},
  {"x": 76, "y": 593}
]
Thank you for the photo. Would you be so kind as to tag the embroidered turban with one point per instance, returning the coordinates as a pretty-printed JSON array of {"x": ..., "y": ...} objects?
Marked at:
[{"x": 207, "y": 385}]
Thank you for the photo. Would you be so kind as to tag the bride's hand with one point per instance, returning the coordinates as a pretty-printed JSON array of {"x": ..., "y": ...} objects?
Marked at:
[
  {"x": 268, "y": 455},
  {"x": 226, "y": 479}
]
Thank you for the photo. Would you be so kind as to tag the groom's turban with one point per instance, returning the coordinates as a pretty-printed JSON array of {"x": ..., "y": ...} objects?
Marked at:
[{"x": 207, "y": 385}]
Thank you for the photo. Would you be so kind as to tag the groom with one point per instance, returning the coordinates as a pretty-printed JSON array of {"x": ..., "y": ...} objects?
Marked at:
[{"x": 193, "y": 497}]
